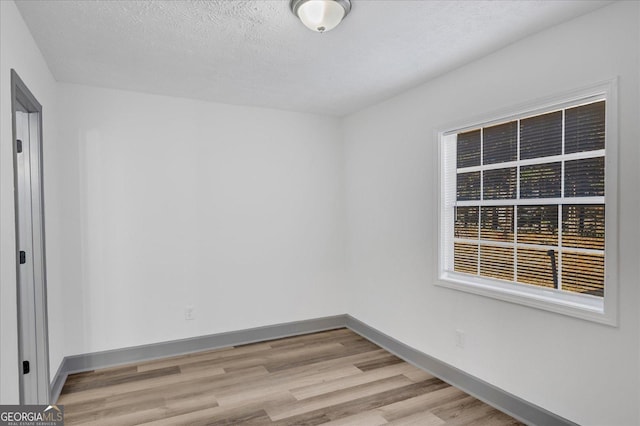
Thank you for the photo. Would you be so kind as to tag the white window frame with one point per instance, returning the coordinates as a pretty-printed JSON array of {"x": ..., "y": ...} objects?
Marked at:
[{"x": 598, "y": 309}]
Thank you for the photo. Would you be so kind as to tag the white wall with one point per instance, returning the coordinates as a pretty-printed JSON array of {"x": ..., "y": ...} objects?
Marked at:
[
  {"x": 583, "y": 371},
  {"x": 238, "y": 211},
  {"x": 19, "y": 51}
]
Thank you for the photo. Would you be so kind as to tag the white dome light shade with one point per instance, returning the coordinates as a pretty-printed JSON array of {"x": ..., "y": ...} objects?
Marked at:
[{"x": 320, "y": 15}]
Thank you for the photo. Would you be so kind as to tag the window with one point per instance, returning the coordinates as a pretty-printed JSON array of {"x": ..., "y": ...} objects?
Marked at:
[{"x": 526, "y": 207}]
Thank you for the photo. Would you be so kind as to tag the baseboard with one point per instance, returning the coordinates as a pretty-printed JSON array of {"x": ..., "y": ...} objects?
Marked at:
[
  {"x": 504, "y": 401},
  {"x": 58, "y": 381},
  {"x": 95, "y": 360}
]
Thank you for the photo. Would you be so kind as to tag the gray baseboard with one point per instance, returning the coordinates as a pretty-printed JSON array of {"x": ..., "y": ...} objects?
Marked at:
[
  {"x": 95, "y": 360},
  {"x": 514, "y": 406},
  {"x": 58, "y": 382},
  {"x": 517, "y": 407}
]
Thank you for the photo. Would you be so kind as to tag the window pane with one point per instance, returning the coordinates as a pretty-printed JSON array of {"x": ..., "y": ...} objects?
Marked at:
[
  {"x": 541, "y": 136},
  {"x": 496, "y": 262},
  {"x": 538, "y": 267},
  {"x": 468, "y": 152},
  {"x": 465, "y": 258},
  {"x": 540, "y": 180},
  {"x": 500, "y": 143},
  {"x": 583, "y": 273},
  {"x": 468, "y": 186},
  {"x": 583, "y": 226},
  {"x": 584, "y": 128},
  {"x": 466, "y": 222},
  {"x": 538, "y": 225},
  {"x": 499, "y": 184},
  {"x": 497, "y": 223},
  {"x": 584, "y": 178}
]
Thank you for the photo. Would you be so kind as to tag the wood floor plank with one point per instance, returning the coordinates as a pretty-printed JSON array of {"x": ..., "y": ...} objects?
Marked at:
[
  {"x": 422, "y": 402},
  {"x": 237, "y": 394},
  {"x": 101, "y": 382},
  {"x": 378, "y": 363},
  {"x": 368, "y": 418},
  {"x": 78, "y": 417},
  {"x": 338, "y": 397},
  {"x": 164, "y": 380},
  {"x": 366, "y": 403},
  {"x": 464, "y": 411},
  {"x": 334, "y": 335},
  {"x": 334, "y": 377},
  {"x": 146, "y": 413},
  {"x": 105, "y": 373},
  {"x": 356, "y": 379},
  {"x": 222, "y": 415},
  {"x": 279, "y": 365},
  {"x": 496, "y": 418},
  {"x": 424, "y": 418},
  {"x": 203, "y": 385},
  {"x": 418, "y": 375},
  {"x": 303, "y": 375},
  {"x": 267, "y": 356},
  {"x": 216, "y": 354}
]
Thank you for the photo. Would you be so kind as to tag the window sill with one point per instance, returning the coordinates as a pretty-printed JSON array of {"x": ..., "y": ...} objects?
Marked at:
[{"x": 590, "y": 308}]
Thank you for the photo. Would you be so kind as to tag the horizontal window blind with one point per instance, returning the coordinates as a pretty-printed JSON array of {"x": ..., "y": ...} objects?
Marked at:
[
  {"x": 529, "y": 200},
  {"x": 538, "y": 225},
  {"x": 499, "y": 183},
  {"x": 466, "y": 225},
  {"x": 468, "y": 186},
  {"x": 584, "y": 178},
  {"x": 496, "y": 262},
  {"x": 584, "y": 128},
  {"x": 541, "y": 180},
  {"x": 497, "y": 223},
  {"x": 583, "y": 273},
  {"x": 466, "y": 258},
  {"x": 468, "y": 149},
  {"x": 538, "y": 267},
  {"x": 583, "y": 226},
  {"x": 500, "y": 143},
  {"x": 541, "y": 136}
]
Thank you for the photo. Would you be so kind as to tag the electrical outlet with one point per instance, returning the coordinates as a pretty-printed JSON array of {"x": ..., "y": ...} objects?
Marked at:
[
  {"x": 189, "y": 312},
  {"x": 460, "y": 338}
]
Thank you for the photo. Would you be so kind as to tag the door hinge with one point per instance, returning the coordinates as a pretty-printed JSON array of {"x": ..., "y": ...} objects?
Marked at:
[
  {"x": 23, "y": 257},
  {"x": 18, "y": 145},
  {"x": 25, "y": 367}
]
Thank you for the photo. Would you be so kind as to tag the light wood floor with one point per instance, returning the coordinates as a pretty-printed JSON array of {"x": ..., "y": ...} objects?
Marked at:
[{"x": 334, "y": 377}]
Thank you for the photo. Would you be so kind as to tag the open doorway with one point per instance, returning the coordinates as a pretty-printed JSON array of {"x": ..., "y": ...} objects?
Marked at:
[{"x": 33, "y": 345}]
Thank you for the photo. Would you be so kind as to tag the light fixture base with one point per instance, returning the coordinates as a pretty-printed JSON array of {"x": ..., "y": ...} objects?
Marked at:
[{"x": 318, "y": 21}]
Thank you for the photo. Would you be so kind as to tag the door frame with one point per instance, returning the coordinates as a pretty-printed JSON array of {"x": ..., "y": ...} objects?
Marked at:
[{"x": 22, "y": 99}]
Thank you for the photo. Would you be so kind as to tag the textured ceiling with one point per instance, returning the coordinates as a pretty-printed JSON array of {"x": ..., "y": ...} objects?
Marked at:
[{"x": 258, "y": 53}]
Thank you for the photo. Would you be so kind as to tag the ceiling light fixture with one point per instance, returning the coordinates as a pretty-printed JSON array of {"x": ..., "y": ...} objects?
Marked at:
[{"x": 320, "y": 15}]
